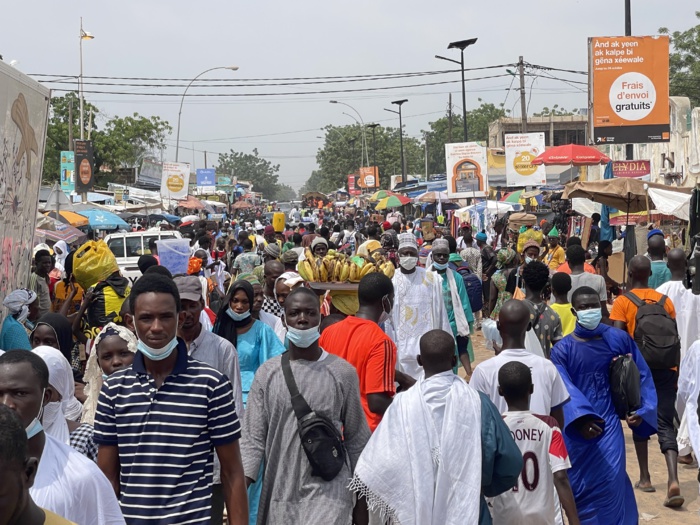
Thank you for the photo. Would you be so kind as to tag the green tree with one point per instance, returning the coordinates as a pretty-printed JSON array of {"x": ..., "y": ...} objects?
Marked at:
[
  {"x": 478, "y": 121},
  {"x": 313, "y": 183},
  {"x": 125, "y": 141},
  {"x": 120, "y": 143},
  {"x": 341, "y": 155},
  {"x": 684, "y": 62},
  {"x": 285, "y": 193},
  {"x": 253, "y": 168},
  {"x": 57, "y": 138},
  {"x": 555, "y": 111}
]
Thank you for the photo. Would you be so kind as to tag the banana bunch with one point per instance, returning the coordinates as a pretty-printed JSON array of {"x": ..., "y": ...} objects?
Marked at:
[{"x": 337, "y": 267}]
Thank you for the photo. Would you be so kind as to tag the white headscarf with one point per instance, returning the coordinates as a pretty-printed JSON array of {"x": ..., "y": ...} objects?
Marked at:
[
  {"x": 61, "y": 257},
  {"x": 93, "y": 372},
  {"x": 60, "y": 378},
  {"x": 18, "y": 302}
]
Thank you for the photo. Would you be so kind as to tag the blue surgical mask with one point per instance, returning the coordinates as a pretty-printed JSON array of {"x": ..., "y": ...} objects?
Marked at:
[
  {"x": 303, "y": 338},
  {"x": 104, "y": 376},
  {"x": 438, "y": 266},
  {"x": 589, "y": 319},
  {"x": 236, "y": 316},
  {"x": 156, "y": 354},
  {"x": 35, "y": 426},
  {"x": 528, "y": 260}
]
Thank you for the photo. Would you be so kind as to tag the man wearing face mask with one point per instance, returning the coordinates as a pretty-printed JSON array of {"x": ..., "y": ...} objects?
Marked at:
[
  {"x": 329, "y": 385},
  {"x": 362, "y": 343},
  {"x": 592, "y": 427},
  {"x": 457, "y": 303},
  {"x": 159, "y": 422},
  {"x": 418, "y": 305},
  {"x": 66, "y": 482}
]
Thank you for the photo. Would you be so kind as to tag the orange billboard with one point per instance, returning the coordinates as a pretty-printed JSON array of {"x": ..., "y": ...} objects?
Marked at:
[
  {"x": 368, "y": 177},
  {"x": 628, "y": 89}
]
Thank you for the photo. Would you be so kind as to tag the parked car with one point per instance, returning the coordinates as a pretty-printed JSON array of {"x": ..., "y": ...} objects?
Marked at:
[{"x": 127, "y": 247}]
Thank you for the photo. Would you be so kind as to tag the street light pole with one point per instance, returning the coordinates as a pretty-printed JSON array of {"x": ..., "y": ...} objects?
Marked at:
[
  {"x": 403, "y": 160},
  {"x": 362, "y": 134},
  {"x": 461, "y": 45},
  {"x": 84, "y": 35},
  {"x": 364, "y": 137},
  {"x": 182, "y": 101},
  {"x": 374, "y": 144}
]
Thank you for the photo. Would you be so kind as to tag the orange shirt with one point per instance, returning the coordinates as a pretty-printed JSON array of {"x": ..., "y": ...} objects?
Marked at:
[
  {"x": 564, "y": 268},
  {"x": 625, "y": 310},
  {"x": 373, "y": 354}
]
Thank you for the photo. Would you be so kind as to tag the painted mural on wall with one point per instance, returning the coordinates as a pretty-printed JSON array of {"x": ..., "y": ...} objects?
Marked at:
[{"x": 24, "y": 106}]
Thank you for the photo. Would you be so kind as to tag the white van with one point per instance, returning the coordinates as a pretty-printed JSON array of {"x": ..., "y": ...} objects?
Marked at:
[{"x": 127, "y": 247}]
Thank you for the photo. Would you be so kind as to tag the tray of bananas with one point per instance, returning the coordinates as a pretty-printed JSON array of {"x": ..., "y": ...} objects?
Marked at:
[{"x": 337, "y": 271}]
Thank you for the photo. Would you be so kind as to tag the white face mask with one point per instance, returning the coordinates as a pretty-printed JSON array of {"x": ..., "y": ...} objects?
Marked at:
[
  {"x": 157, "y": 354},
  {"x": 303, "y": 338},
  {"x": 408, "y": 262},
  {"x": 385, "y": 313}
]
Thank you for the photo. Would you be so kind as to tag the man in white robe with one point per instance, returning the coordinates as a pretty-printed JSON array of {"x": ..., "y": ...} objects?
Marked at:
[
  {"x": 687, "y": 308},
  {"x": 418, "y": 305},
  {"x": 407, "y": 471},
  {"x": 66, "y": 483}
]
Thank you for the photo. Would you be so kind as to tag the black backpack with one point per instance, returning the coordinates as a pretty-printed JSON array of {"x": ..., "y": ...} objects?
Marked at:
[
  {"x": 656, "y": 333},
  {"x": 625, "y": 385},
  {"x": 473, "y": 285},
  {"x": 321, "y": 441}
]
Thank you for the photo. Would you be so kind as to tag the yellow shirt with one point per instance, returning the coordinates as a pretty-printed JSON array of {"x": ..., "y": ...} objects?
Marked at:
[
  {"x": 555, "y": 258},
  {"x": 55, "y": 519},
  {"x": 568, "y": 319}
]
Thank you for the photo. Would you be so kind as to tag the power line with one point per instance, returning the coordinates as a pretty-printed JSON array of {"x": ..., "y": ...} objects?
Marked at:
[
  {"x": 326, "y": 92},
  {"x": 384, "y": 75}
]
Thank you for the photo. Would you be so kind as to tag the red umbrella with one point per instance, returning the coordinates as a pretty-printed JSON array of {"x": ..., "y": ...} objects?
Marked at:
[{"x": 571, "y": 154}]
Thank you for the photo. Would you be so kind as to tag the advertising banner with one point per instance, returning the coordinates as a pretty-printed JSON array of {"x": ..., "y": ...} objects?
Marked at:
[
  {"x": 176, "y": 176},
  {"x": 67, "y": 172},
  {"x": 84, "y": 166},
  {"x": 636, "y": 169},
  {"x": 521, "y": 150},
  {"x": 369, "y": 177},
  {"x": 628, "y": 90},
  {"x": 206, "y": 180},
  {"x": 352, "y": 190},
  {"x": 151, "y": 172},
  {"x": 24, "y": 108},
  {"x": 465, "y": 163}
]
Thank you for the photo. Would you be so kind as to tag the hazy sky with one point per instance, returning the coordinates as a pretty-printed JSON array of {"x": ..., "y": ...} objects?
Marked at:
[{"x": 311, "y": 38}]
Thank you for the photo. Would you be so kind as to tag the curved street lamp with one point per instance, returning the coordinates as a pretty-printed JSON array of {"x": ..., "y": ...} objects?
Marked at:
[
  {"x": 84, "y": 35},
  {"x": 364, "y": 137},
  {"x": 182, "y": 101}
]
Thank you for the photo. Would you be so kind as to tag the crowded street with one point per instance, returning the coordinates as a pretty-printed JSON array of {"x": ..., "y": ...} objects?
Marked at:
[{"x": 250, "y": 275}]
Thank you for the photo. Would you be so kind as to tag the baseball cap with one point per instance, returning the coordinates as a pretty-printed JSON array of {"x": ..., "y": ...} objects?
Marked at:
[{"x": 189, "y": 287}]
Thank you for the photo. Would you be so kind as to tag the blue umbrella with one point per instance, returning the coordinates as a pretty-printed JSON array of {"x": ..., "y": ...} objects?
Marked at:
[{"x": 103, "y": 220}]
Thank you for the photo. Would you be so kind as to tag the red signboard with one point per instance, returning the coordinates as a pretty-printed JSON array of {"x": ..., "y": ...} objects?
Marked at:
[
  {"x": 352, "y": 190},
  {"x": 631, "y": 168}
]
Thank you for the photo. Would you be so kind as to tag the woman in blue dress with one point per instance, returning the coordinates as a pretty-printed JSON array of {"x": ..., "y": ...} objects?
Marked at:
[{"x": 255, "y": 342}]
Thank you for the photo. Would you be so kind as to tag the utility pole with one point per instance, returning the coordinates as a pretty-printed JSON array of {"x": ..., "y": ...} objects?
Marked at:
[
  {"x": 70, "y": 125},
  {"x": 205, "y": 160},
  {"x": 523, "y": 105},
  {"x": 449, "y": 119},
  {"x": 425, "y": 139},
  {"x": 629, "y": 148}
]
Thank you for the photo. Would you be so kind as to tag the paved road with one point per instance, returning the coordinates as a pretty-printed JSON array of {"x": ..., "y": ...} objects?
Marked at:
[{"x": 650, "y": 504}]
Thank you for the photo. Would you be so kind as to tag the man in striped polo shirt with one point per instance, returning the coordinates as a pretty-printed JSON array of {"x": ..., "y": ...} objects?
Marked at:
[{"x": 159, "y": 422}]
